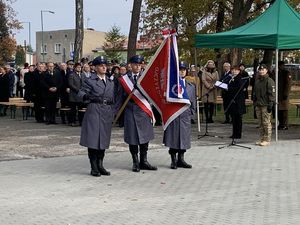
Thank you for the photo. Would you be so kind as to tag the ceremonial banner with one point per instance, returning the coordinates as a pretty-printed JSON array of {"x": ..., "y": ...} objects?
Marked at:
[
  {"x": 138, "y": 98},
  {"x": 161, "y": 83}
]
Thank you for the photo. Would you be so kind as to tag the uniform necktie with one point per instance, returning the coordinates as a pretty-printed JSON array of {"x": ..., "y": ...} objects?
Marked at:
[
  {"x": 135, "y": 78},
  {"x": 104, "y": 82}
]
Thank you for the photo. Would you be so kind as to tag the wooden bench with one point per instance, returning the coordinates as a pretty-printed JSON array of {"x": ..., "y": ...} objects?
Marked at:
[
  {"x": 15, "y": 103},
  {"x": 25, "y": 106},
  {"x": 296, "y": 102}
]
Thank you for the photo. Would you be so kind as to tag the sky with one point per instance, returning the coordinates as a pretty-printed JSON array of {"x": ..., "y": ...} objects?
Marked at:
[{"x": 98, "y": 14}]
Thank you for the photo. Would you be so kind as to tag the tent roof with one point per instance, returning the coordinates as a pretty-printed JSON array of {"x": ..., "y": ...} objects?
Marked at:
[{"x": 277, "y": 28}]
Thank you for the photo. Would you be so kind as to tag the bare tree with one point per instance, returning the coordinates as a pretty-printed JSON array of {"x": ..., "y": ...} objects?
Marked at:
[
  {"x": 134, "y": 28},
  {"x": 78, "y": 30}
]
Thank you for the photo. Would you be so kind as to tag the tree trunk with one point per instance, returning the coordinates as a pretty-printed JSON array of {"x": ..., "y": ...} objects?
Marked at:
[
  {"x": 219, "y": 28},
  {"x": 239, "y": 17},
  {"x": 268, "y": 56},
  {"x": 134, "y": 28},
  {"x": 78, "y": 31}
]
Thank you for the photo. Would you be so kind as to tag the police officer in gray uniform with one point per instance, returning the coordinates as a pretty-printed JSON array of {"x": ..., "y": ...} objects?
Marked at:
[
  {"x": 177, "y": 136},
  {"x": 138, "y": 129},
  {"x": 98, "y": 92}
]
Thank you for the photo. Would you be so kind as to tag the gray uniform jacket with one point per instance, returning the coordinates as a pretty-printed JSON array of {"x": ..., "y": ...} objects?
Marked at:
[
  {"x": 75, "y": 82},
  {"x": 178, "y": 133},
  {"x": 97, "y": 121},
  {"x": 138, "y": 128}
]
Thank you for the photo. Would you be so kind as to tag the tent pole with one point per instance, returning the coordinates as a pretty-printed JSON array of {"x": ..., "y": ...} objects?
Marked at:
[
  {"x": 276, "y": 94},
  {"x": 197, "y": 94}
]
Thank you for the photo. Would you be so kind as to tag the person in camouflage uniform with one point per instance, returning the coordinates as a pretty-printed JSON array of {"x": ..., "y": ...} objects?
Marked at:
[{"x": 263, "y": 100}]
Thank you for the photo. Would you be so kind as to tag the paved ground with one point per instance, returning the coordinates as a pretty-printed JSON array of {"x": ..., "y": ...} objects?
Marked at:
[{"x": 229, "y": 186}]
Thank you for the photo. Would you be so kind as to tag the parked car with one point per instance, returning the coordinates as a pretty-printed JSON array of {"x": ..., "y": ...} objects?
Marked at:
[{"x": 294, "y": 69}]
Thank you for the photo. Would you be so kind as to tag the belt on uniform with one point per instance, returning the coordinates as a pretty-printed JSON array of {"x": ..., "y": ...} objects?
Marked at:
[{"x": 103, "y": 102}]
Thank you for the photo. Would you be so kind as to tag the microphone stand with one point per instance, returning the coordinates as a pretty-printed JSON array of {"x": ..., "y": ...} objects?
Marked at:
[
  {"x": 206, "y": 134},
  {"x": 233, "y": 142}
]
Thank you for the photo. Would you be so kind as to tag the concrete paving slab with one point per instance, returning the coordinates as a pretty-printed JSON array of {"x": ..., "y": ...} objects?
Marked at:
[{"x": 229, "y": 186}]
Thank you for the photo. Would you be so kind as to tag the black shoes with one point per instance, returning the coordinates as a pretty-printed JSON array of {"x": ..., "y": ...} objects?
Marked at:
[
  {"x": 181, "y": 162},
  {"x": 136, "y": 167},
  {"x": 135, "y": 162},
  {"x": 95, "y": 173},
  {"x": 145, "y": 165},
  {"x": 283, "y": 128},
  {"x": 103, "y": 171},
  {"x": 173, "y": 161}
]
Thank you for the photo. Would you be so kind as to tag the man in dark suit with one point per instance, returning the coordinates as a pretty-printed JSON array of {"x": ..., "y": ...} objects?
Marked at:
[
  {"x": 64, "y": 92},
  {"x": 29, "y": 84},
  {"x": 51, "y": 83},
  {"x": 75, "y": 82},
  {"x": 225, "y": 78},
  {"x": 37, "y": 93}
]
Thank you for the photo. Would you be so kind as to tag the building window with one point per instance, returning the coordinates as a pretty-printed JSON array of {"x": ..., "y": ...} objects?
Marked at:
[
  {"x": 44, "y": 51},
  {"x": 72, "y": 46},
  {"x": 50, "y": 36},
  {"x": 66, "y": 35},
  {"x": 57, "y": 48}
]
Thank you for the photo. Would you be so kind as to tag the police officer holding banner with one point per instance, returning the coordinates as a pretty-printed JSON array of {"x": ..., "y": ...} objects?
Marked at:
[
  {"x": 177, "y": 136},
  {"x": 98, "y": 92},
  {"x": 138, "y": 129}
]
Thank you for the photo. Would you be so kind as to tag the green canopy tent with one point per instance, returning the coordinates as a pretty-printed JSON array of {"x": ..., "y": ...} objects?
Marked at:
[{"x": 277, "y": 28}]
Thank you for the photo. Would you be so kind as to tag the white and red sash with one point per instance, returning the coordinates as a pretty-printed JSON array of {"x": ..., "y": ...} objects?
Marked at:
[{"x": 137, "y": 97}]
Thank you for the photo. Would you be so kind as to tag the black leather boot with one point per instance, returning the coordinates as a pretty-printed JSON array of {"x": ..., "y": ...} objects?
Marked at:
[
  {"x": 135, "y": 158},
  {"x": 172, "y": 153},
  {"x": 144, "y": 164},
  {"x": 93, "y": 161},
  {"x": 100, "y": 158},
  {"x": 181, "y": 162}
]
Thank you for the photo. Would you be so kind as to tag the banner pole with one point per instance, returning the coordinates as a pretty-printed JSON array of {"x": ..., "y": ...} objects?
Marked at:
[{"x": 123, "y": 107}]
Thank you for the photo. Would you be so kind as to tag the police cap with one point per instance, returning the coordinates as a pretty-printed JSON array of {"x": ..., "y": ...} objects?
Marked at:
[
  {"x": 182, "y": 65},
  {"x": 136, "y": 59},
  {"x": 99, "y": 60}
]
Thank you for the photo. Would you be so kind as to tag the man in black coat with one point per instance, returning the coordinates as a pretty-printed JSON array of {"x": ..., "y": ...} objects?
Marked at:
[
  {"x": 4, "y": 90},
  {"x": 11, "y": 78},
  {"x": 37, "y": 93},
  {"x": 29, "y": 84},
  {"x": 51, "y": 84},
  {"x": 75, "y": 81},
  {"x": 64, "y": 91}
]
